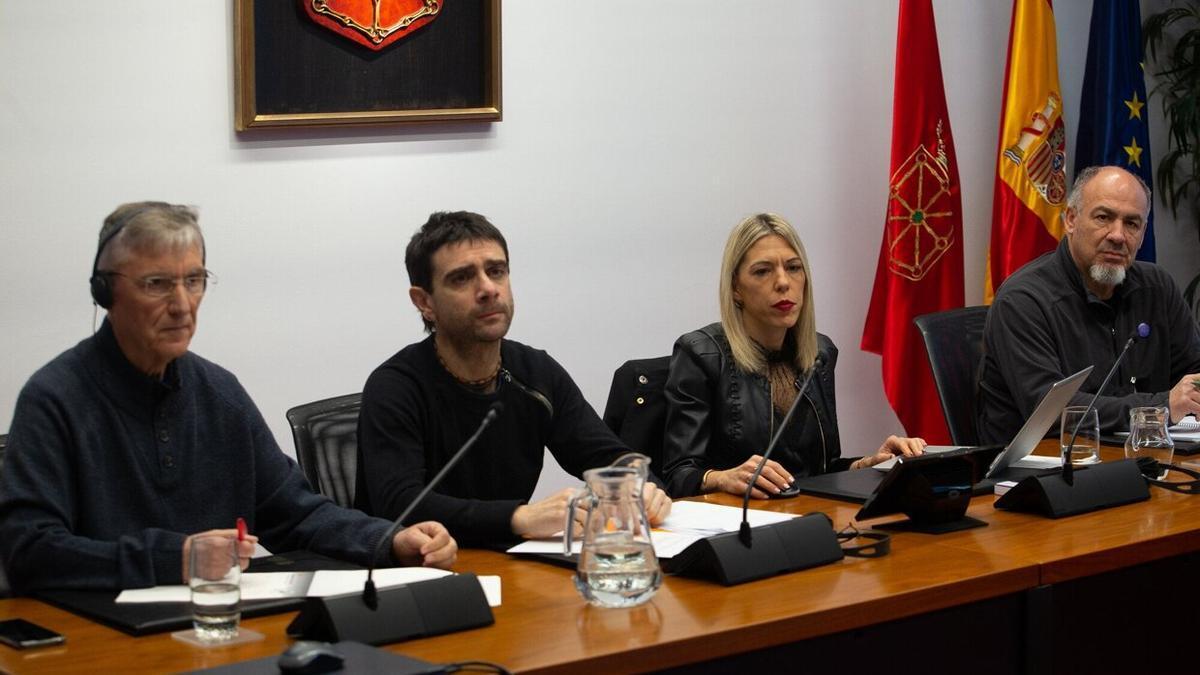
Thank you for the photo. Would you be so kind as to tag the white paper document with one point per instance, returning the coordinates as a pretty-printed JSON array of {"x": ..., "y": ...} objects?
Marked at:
[
  {"x": 336, "y": 582},
  {"x": 688, "y": 522},
  {"x": 256, "y": 586},
  {"x": 1187, "y": 429},
  {"x": 703, "y": 519},
  {"x": 1037, "y": 462},
  {"x": 323, "y": 583}
]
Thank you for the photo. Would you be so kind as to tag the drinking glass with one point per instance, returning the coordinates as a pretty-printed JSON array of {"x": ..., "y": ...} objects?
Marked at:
[
  {"x": 215, "y": 579},
  {"x": 1086, "y": 448}
]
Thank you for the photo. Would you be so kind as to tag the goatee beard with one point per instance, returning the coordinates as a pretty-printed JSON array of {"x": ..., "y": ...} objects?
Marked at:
[{"x": 1107, "y": 275}]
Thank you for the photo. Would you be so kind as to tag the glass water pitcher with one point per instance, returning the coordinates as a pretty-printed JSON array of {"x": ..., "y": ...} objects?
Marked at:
[
  {"x": 1148, "y": 435},
  {"x": 617, "y": 565}
]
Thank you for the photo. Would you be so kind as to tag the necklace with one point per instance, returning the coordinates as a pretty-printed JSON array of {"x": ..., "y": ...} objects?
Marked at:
[{"x": 473, "y": 384}]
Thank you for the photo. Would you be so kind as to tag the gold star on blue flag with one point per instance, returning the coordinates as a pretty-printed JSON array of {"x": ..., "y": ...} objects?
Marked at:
[{"x": 1112, "y": 126}]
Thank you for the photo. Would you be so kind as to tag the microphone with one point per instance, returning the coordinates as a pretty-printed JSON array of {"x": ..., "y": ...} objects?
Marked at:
[
  {"x": 744, "y": 533},
  {"x": 369, "y": 595},
  {"x": 1068, "y": 471}
]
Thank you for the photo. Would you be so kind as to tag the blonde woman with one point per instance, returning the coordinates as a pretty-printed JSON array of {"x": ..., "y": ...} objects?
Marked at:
[{"x": 731, "y": 383}]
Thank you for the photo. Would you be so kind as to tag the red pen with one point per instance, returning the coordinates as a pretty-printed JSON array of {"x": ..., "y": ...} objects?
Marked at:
[{"x": 241, "y": 528}]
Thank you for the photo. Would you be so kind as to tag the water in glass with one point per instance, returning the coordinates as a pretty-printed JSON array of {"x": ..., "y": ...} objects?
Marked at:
[
  {"x": 616, "y": 571},
  {"x": 215, "y": 579},
  {"x": 216, "y": 610}
]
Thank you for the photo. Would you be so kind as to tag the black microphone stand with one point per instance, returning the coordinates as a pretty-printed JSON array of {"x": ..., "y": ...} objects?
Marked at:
[
  {"x": 744, "y": 532},
  {"x": 431, "y": 607},
  {"x": 1108, "y": 484},
  {"x": 370, "y": 596},
  {"x": 797, "y": 543},
  {"x": 1068, "y": 469}
]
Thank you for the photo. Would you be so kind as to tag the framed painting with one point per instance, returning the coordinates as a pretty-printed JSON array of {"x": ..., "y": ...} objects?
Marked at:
[{"x": 335, "y": 62}]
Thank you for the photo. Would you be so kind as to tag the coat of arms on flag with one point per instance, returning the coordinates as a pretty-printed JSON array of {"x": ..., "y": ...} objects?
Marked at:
[
  {"x": 921, "y": 220},
  {"x": 375, "y": 24},
  {"x": 1044, "y": 140}
]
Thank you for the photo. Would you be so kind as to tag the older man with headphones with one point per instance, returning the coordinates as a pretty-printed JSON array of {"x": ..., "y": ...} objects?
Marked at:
[{"x": 126, "y": 444}]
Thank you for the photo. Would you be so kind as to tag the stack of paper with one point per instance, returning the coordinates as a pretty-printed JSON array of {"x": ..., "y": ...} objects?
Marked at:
[
  {"x": 688, "y": 522},
  {"x": 320, "y": 584},
  {"x": 1188, "y": 429}
]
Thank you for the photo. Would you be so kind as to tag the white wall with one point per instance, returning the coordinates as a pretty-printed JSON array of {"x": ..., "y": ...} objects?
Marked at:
[{"x": 634, "y": 136}]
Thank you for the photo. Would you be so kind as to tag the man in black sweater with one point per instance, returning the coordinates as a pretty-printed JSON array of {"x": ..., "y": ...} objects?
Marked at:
[
  {"x": 426, "y": 400},
  {"x": 126, "y": 444},
  {"x": 1076, "y": 307}
]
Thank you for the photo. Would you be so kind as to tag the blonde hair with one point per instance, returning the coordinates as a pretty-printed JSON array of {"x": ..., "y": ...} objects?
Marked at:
[{"x": 747, "y": 354}]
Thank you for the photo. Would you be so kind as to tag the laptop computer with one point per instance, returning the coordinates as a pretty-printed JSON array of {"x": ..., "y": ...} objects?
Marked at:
[{"x": 1013, "y": 463}]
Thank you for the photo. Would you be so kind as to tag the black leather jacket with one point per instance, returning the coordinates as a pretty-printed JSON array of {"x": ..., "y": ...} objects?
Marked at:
[{"x": 718, "y": 415}]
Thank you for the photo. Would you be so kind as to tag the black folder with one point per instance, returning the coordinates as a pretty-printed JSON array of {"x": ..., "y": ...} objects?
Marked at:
[
  {"x": 850, "y": 485},
  {"x": 159, "y": 617},
  {"x": 151, "y": 617}
]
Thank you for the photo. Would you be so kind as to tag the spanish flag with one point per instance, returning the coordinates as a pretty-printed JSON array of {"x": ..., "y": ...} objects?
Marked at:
[
  {"x": 1031, "y": 180},
  {"x": 920, "y": 267}
]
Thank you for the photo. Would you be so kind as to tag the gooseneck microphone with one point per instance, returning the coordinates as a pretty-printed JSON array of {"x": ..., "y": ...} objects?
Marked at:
[
  {"x": 369, "y": 596},
  {"x": 744, "y": 533},
  {"x": 1068, "y": 471}
]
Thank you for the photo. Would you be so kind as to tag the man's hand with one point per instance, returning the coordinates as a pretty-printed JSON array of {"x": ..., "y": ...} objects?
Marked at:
[
  {"x": 427, "y": 544},
  {"x": 892, "y": 447},
  {"x": 1184, "y": 398},
  {"x": 245, "y": 549},
  {"x": 734, "y": 481},
  {"x": 658, "y": 504},
  {"x": 545, "y": 518}
]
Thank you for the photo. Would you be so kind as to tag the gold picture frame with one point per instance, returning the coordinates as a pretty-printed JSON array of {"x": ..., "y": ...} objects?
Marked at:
[{"x": 290, "y": 72}]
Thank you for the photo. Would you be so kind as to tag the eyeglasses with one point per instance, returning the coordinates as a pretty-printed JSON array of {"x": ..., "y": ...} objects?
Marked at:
[{"x": 161, "y": 287}]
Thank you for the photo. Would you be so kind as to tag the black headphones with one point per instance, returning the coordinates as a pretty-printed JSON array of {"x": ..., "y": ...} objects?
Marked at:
[
  {"x": 101, "y": 289},
  {"x": 1151, "y": 470}
]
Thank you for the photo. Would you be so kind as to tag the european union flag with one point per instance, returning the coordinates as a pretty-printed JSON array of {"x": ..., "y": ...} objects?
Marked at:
[{"x": 1113, "y": 124}]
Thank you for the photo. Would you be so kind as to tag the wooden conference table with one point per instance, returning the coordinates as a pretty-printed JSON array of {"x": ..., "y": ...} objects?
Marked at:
[{"x": 1020, "y": 595}]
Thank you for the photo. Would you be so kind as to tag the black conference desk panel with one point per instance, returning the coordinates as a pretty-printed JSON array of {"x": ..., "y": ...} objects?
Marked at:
[{"x": 1138, "y": 619}]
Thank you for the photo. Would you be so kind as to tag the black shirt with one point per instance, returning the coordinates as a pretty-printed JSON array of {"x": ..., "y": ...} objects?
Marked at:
[
  {"x": 1045, "y": 325},
  {"x": 415, "y": 416}
]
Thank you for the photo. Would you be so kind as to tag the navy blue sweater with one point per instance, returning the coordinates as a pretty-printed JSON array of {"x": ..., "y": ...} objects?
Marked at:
[{"x": 108, "y": 470}]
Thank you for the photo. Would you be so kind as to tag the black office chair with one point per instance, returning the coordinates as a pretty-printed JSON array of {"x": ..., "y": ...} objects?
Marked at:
[
  {"x": 637, "y": 410},
  {"x": 326, "y": 436},
  {"x": 954, "y": 342}
]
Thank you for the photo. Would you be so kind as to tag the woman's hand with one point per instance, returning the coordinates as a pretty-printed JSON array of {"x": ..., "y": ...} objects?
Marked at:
[
  {"x": 773, "y": 479},
  {"x": 894, "y": 446}
]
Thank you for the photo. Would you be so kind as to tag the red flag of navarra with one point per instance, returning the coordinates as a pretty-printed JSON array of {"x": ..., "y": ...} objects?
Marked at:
[{"x": 920, "y": 266}]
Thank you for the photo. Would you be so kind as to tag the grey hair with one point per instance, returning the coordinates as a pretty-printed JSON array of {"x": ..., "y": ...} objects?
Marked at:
[
  {"x": 147, "y": 227},
  {"x": 1075, "y": 198}
]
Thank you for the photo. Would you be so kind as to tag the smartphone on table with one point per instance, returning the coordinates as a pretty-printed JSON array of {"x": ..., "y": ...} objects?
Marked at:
[{"x": 21, "y": 634}]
